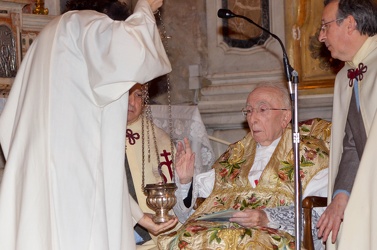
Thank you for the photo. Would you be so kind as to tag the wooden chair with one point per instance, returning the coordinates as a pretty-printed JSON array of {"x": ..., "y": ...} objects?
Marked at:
[{"x": 308, "y": 204}]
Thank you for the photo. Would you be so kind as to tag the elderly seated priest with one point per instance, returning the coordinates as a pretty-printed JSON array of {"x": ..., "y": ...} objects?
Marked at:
[{"x": 253, "y": 179}]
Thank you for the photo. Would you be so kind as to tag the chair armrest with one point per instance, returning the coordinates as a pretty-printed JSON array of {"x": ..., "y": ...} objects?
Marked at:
[
  {"x": 314, "y": 201},
  {"x": 308, "y": 204}
]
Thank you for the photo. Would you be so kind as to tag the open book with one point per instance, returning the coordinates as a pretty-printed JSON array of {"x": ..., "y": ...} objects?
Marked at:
[{"x": 224, "y": 215}]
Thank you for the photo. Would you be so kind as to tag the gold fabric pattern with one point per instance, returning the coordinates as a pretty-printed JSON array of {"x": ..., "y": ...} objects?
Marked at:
[{"x": 233, "y": 190}]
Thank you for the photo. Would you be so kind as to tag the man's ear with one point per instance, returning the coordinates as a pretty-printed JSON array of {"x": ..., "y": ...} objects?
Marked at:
[
  {"x": 351, "y": 23},
  {"x": 286, "y": 119}
]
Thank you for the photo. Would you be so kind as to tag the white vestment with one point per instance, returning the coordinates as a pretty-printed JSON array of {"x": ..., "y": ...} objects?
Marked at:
[
  {"x": 359, "y": 226},
  {"x": 64, "y": 183},
  {"x": 134, "y": 142},
  {"x": 134, "y": 151}
]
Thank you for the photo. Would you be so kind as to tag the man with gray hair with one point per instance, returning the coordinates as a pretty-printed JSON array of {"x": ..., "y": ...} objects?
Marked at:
[{"x": 349, "y": 30}]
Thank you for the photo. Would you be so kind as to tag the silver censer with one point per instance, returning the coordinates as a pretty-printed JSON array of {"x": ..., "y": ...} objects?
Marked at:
[{"x": 161, "y": 199}]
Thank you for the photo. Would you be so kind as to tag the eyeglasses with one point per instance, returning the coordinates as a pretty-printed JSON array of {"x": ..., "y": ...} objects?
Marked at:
[
  {"x": 262, "y": 110},
  {"x": 325, "y": 26}
]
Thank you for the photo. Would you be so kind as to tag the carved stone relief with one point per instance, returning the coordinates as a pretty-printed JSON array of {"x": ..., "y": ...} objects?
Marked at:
[
  {"x": 17, "y": 31},
  {"x": 8, "y": 61},
  {"x": 237, "y": 32},
  {"x": 227, "y": 60}
]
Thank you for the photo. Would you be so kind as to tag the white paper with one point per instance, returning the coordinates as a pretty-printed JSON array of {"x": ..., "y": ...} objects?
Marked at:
[{"x": 224, "y": 215}]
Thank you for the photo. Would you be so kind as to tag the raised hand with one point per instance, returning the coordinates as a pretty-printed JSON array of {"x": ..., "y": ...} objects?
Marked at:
[
  {"x": 184, "y": 162},
  {"x": 332, "y": 217},
  {"x": 155, "y": 4}
]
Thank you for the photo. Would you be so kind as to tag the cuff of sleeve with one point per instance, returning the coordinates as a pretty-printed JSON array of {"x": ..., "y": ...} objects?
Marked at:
[
  {"x": 136, "y": 212},
  {"x": 340, "y": 191},
  {"x": 270, "y": 223},
  {"x": 185, "y": 187}
]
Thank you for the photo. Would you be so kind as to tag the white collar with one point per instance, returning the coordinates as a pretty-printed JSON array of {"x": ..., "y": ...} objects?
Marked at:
[{"x": 272, "y": 145}]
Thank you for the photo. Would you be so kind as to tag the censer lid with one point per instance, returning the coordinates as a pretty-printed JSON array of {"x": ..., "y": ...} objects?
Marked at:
[{"x": 161, "y": 186}]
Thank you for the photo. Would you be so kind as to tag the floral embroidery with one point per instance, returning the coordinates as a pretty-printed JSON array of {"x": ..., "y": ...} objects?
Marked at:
[
  {"x": 250, "y": 202},
  {"x": 286, "y": 173},
  {"x": 283, "y": 176},
  {"x": 224, "y": 172},
  {"x": 219, "y": 201},
  {"x": 236, "y": 206},
  {"x": 232, "y": 163},
  {"x": 230, "y": 170},
  {"x": 195, "y": 228},
  {"x": 243, "y": 235},
  {"x": 182, "y": 244},
  {"x": 237, "y": 154},
  {"x": 214, "y": 233},
  {"x": 321, "y": 153},
  {"x": 310, "y": 154}
]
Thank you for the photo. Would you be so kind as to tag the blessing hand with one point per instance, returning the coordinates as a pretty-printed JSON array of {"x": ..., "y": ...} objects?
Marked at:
[{"x": 184, "y": 162}]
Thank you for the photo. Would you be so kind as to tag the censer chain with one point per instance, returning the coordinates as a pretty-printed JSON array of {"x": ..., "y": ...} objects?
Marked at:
[{"x": 149, "y": 118}]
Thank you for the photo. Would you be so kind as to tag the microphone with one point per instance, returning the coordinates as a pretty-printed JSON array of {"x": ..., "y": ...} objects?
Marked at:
[{"x": 227, "y": 14}]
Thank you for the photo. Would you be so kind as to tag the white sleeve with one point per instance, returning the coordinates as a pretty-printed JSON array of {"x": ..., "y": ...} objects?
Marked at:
[
  {"x": 136, "y": 212},
  {"x": 317, "y": 185},
  {"x": 120, "y": 53},
  {"x": 204, "y": 183},
  {"x": 202, "y": 187}
]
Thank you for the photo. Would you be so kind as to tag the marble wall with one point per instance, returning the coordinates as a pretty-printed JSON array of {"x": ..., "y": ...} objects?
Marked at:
[{"x": 217, "y": 77}]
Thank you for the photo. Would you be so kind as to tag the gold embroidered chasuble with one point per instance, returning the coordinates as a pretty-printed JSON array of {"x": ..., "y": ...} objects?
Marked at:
[{"x": 232, "y": 190}]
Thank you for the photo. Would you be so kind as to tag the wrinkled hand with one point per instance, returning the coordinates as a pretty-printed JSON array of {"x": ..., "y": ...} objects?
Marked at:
[
  {"x": 332, "y": 217},
  {"x": 154, "y": 228},
  {"x": 155, "y": 4},
  {"x": 250, "y": 218},
  {"x": 184, "y": 162}
]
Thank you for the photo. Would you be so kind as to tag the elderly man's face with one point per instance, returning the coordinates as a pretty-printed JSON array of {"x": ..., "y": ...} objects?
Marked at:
[
  {"x": 269, "y": 125},
  {"x": 135, "y": 103}
]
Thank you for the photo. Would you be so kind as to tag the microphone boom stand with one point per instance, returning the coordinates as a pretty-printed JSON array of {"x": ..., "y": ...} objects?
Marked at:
[{"x": 292, "y": 78}]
